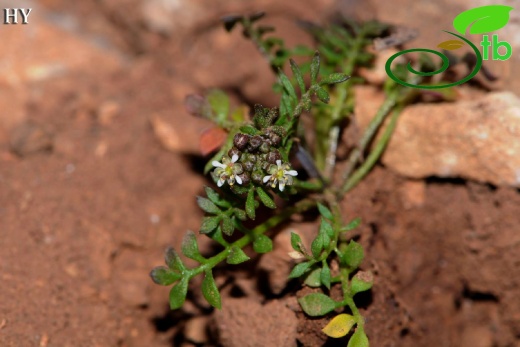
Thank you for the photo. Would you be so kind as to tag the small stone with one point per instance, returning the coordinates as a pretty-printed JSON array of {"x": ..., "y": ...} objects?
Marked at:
[{"x": 29, "y": 138}]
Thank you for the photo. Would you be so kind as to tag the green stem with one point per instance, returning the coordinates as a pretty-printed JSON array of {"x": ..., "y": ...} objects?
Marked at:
[
  {"x": 369, "y": 134},
  {"x": 342, "y": 93},
  {"x": 349, "y": 300},
  {"x": 210, "y": 263},
  {"x": 374, "y": 155}
]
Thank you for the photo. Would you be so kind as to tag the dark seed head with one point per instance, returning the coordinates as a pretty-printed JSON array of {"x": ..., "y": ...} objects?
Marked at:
[
  {"x": 255, "y": 142},
  {"x": 234, "y": 151},
  {"x": 273, "y": 156},
  {"x": 241, "y": 140}
]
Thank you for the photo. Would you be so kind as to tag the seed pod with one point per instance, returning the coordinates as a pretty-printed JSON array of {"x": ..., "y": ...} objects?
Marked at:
[
  {"x": 265, "y": 165},
  {"x": 264, "y": 147},
  {"x": 246, "y": 179},
  {"x": 273, "y": 156},
  {"x": 252, "y": 158},
  {"x": 257, "y": 176},
  {"x": 254, "y": 142},
  {"x": 241, "y": 141},
  {"x": 234, "y": 151}
]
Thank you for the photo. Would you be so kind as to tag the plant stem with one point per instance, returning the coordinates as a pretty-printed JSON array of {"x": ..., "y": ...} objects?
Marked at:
[
  {"x": 373, "y": 157},
  {"x": 348, "y": 298},
  {"x": 299, "y": 207}
]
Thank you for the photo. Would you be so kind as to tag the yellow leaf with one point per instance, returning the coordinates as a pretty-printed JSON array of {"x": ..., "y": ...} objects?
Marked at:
[
  {"x": 339, "y": 326},
  {"x": 451, "y": 45}
]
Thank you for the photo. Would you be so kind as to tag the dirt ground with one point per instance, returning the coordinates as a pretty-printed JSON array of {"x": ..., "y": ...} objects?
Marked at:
[{"x": 90, "y": 198}]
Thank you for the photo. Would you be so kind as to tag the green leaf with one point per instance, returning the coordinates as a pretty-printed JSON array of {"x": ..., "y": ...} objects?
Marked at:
[
  {"x": 313, "y": 279},
  {"x": 236, "y": 256},
  {"x": 173, "y": 260},
  {"x": 250, "y": 204},
  {"x": 265, "y": 198},
  {"x": 334, "y": 78},
  {"x": 300, "y": 269},
  {"x": 219, "y": 102},
  {"x": 325, "y": 212},
  {"x": 210, "y": 290},
  {"x": 323, "y": 95},
  {"x": 325, "y": 275},
  {"x": 326, "y": 229},
  {"x": 287, "y": 86},
  {"x": 339, "y": 326},
  {"x": 262, "y": 244},
  {"x": 209, "y": 224},
  {"x": 353, "y": 255},
  {"x": 248, "y": 129},
  {"x": 352, "y": 225},
  {"x": 484, "y": 19},
  {"x": 228, "y": 225},
  {"x": 240, "y": 214},
  {"x": 362, "y": 281},
  {"x": 296, "y": 242},
  {"x": 190, "y": 248},
  {"x": 317, "y": 304},
  {"x": 207, "y": 205},
  {"x": 178, "y": 293},
  {"x": 317, "y": 245},
  {"x": 215, "y": 198},
  {"x": 315, "y": 68},
  {"x": 297, "y": 75},
  {"x": 358, "y": 339},
  {"x": 164, "y": 276}
]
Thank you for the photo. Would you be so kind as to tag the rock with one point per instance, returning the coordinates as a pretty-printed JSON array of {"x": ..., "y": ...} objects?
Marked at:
[
  {"x": 477, "y": 140},
  {"x": 29, "y": 138},
  {"x": 243, "y": 322},
  {"x": 196, "y": 330}
]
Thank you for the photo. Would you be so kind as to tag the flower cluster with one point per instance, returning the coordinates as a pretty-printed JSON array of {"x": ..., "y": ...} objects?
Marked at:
[{"x": 256, "y": 158}]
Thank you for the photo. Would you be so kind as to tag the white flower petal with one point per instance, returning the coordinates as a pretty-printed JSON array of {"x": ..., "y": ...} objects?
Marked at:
[
  {"x": 239, "y": 180},
  {"x": 217, "y": 164},
  {"x": 220, "y": 182},
  {"x": 281, "y": 186},
  {"x": 279, "y": 163},
  {"x": 291, "y": 172},
  {"x": 234, "y": 158},
  {"x": 266, "y": 178}
]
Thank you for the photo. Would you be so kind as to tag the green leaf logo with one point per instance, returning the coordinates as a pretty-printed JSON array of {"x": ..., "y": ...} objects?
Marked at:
[{"x": 484, "y": 19}]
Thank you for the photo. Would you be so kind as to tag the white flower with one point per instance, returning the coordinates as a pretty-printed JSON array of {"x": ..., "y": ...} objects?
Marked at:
[
  {"x": 228, "y": 170},
  {"x": 281, "y": 174}
]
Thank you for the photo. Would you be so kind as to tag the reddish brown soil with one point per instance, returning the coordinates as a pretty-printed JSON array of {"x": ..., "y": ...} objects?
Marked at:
[{"x": 89, "y": 199}]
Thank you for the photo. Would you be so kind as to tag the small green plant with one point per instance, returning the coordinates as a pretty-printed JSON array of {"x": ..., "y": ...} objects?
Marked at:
[{"x": 254, "y": 167}]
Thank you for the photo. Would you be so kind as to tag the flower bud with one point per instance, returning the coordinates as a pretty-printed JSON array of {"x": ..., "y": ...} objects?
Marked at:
[
  {"x": 248, "y": 166},
  {"x": 275, "y": 139},
  {"x": 255, "y": 142},
  {"x": 241, "y": 141},
  {"x": 246, "y": 179},
  {"x": 264, "y": 148},
  {"x": 273, "y": 156},
  {"x": 257, "y": 176},
  {"x": 234, "y": 151}
]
